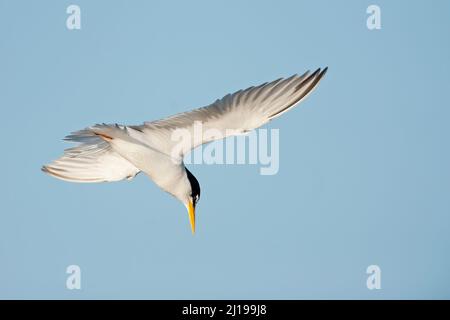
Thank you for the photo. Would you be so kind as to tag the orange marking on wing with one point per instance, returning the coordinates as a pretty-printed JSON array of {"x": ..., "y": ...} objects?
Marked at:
[{"x": 103, "y": 136}]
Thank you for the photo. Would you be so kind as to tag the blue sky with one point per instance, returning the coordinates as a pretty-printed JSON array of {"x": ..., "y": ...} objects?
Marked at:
[{"x": 364, "y": 176}]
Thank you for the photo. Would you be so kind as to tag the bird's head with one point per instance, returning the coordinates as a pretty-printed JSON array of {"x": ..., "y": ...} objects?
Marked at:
[{"x": 192, "y": 198}]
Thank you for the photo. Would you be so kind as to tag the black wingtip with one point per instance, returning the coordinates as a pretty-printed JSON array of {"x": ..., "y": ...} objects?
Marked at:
[
  {"x": 322, "y": 74},
  {"x": 315, "y": 73}
]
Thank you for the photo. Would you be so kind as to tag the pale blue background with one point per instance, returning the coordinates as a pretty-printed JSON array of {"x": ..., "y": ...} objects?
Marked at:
[{"x": 364, "y": 175}]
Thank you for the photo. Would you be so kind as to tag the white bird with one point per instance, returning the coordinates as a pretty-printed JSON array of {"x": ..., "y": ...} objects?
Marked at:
[{"x": 108, "y": 153}]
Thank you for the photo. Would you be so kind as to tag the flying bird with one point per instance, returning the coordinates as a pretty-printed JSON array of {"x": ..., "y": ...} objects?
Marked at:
[{"x": 112, "y": 152}]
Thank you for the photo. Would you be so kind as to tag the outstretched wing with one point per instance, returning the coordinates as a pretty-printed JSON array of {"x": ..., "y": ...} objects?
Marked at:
[
  {"x": 234, "y": 114},
  {"x": 93, "y": 160}
]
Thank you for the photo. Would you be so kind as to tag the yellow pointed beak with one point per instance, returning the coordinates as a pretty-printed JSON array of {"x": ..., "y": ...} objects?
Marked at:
[{"x": 191, "y": 211}]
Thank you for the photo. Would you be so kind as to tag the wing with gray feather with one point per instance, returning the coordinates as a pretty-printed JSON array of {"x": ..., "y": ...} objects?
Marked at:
[{"x": 234, "y": 114}]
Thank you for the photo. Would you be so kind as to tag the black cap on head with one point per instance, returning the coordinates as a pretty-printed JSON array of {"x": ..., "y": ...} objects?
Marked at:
[{"x": 195, "y": 187}]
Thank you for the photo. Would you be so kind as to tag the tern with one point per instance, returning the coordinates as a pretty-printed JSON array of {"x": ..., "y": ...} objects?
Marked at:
[{"x": 112, "y": 152}]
